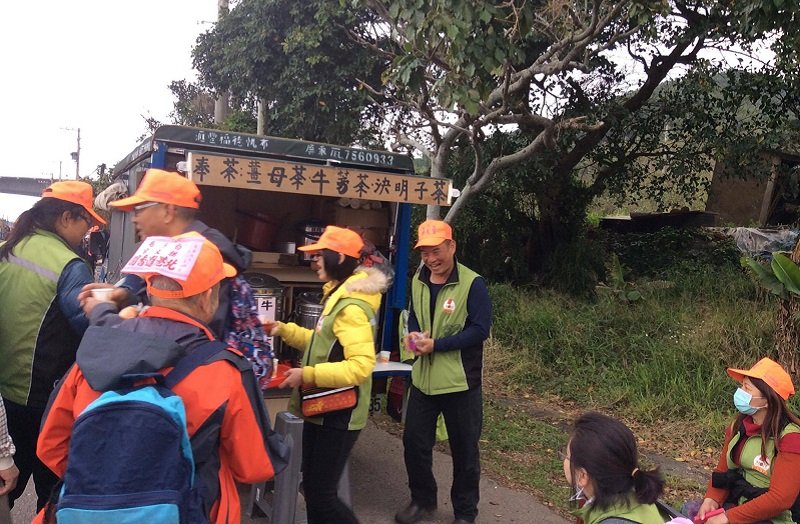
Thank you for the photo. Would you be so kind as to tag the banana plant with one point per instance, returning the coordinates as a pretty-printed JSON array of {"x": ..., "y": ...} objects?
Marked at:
[
  {"x": 781, "y": 277},
  {"x": 625, "y": 291}
]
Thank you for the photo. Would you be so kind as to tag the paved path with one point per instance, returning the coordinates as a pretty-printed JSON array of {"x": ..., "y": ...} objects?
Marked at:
[{"x": 380, "y": 488}]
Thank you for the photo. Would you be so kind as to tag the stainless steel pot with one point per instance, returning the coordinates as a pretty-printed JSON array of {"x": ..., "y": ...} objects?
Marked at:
[{"x": 307, "y": 309}]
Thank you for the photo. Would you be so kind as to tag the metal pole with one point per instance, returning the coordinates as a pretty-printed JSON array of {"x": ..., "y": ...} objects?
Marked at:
[
  {"x": 5, "y": 513},
  {"x": 221, "y": 103},
  {"x": 78, "y": 157}
]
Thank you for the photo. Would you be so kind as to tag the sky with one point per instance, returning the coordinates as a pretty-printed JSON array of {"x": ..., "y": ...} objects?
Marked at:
[{"x": 94, "y": 65}]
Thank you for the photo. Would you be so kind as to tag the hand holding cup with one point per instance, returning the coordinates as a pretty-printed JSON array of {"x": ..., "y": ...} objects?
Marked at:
[{"x": 271, "y": 327}]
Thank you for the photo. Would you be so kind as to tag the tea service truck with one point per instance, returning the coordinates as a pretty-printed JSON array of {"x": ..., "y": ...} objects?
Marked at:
[{"x": 273, "y": 195}]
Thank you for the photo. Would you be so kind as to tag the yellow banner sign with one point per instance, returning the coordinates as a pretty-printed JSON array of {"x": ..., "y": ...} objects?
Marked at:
[{"x": 312, "y": 179}]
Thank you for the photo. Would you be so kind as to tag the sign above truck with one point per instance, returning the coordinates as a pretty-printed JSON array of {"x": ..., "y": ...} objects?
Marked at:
[
  {"x": 315, "y": 179},
  {"x": 195, "y": 138}
]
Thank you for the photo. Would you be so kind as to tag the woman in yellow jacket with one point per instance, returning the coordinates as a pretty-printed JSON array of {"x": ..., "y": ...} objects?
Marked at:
[{"x": 338, "y": 352}]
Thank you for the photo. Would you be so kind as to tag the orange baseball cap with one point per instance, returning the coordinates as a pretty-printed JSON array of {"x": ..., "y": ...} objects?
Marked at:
[
  {"x": 339, "y": 239},
  {"x": 165, "y": 187},
  {"x": 76, "y": 192},
  {"x": 432, "y": 233},
  {"x": 770, "y": 372},
  {"x": 208, "y": 269}
]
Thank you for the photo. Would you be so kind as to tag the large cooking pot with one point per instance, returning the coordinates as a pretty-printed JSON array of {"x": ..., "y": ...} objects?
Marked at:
[
  {"x": 256, "y": 231},
  {"x": 307, "y": 309}
]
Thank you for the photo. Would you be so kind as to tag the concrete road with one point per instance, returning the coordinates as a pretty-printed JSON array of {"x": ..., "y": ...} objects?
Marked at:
[{"x": 379, "y": 489}]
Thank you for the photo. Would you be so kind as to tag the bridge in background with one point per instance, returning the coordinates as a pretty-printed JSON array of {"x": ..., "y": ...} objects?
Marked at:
[{"x": 23, "y": 186}]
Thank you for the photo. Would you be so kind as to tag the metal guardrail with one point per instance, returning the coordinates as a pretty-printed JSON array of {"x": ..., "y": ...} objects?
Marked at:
[{"x": 5, "y": 513}]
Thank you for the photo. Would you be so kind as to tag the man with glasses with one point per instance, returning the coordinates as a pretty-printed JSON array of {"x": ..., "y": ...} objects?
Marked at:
[{"x": 166, "y": 204}]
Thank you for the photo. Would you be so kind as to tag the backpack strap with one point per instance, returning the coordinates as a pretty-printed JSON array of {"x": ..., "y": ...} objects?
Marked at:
[
  {"x": 215, "y": 350},
  {"x": 192, "y": 361}
]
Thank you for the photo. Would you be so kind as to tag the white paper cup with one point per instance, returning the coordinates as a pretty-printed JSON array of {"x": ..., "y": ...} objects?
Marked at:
[
  {"x": 383, "y": 356},
  {"x": 103, "y": 294}
]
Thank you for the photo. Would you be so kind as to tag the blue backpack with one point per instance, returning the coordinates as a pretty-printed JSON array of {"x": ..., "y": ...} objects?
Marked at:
[{"x": 130, "y": 459}]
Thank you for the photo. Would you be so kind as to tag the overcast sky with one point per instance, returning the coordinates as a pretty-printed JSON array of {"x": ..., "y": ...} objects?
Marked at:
[{"x": 89, "y": 64}]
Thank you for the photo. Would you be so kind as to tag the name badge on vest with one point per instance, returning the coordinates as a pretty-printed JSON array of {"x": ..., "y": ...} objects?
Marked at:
[
  {"x": 318, "y": 327},
  {"x": 761, "y": 465},
  {"x": 449, "y": 306}
]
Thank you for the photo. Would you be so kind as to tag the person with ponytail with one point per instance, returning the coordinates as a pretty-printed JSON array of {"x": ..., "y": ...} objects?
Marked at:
[
  {"x": 756, "y": 478},
  {"x": 338, "y": 353},
  {"x": 42, "y": 323},
  {"x": 601, "y": 463}
]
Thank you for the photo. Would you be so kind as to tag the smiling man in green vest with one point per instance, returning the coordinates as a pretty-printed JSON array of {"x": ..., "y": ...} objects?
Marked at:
[{"x": 450, "y": 317}]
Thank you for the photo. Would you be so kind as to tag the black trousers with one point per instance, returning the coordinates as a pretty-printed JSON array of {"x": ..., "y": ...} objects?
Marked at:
[
  {"x": 325, "y": 453},
  {"x": 23, "y": 426},
  {"x": 463, "y": 416}
]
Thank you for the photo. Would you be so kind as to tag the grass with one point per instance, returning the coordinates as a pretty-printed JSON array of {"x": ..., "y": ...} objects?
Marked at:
[
  {"x": 524, "y": 449},
  {"x": 658, "y": 364},
  {"x": 661, "y": 357}
]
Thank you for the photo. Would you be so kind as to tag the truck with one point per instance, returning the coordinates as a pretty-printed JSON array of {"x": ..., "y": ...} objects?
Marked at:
[{"x": 274, "y": 194}]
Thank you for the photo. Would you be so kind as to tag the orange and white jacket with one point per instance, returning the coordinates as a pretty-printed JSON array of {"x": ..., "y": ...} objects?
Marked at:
[{"x": 223, "y": 408}]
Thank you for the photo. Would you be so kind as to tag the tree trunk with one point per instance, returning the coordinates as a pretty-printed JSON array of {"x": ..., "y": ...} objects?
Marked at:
[{"x": 550, "y": 229}]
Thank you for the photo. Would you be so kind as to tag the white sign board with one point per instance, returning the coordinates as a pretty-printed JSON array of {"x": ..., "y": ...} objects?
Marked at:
[{"x": 171, "y": 257}]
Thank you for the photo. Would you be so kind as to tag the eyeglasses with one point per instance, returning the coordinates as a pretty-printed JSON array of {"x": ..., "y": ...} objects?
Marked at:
[
  {"x": 140, "y": 207},
  {"x": 89, "y": 221},
  {"x": 562, "y": 456},
  {"x": 315, "y": 256}
]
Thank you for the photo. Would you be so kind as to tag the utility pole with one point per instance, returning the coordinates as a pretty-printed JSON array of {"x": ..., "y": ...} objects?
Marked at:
[
  {"x": 76, "y": 155},
  {"x": 221, "y": 103}
]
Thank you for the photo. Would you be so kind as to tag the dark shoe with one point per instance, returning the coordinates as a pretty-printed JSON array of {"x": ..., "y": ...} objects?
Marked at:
[
  {"x": 462, "y": 521},
  {"x": 413, "y": 513}
]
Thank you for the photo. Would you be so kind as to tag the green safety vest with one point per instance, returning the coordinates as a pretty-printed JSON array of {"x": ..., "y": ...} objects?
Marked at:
[
  {"x": 325, "y": 347},
  {"x": 443, "y": 372},
  {"x": 754, "y": 468},
  {"x": 32, "y": 328},
  {"x": 633, "y": 511}
]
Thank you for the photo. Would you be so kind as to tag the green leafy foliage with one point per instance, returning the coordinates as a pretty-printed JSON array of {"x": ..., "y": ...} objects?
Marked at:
[
  {"x": 663, "y": 358},
  {"x": 781, "y": 277},
  {"x": 506, "y": 100},
  {"x": 630, "y": 108},
  {"x": 193, "y": 106},
  {"x": 297, "y": 57},
  {"x": 765, "y": 276},
  {"x": 656, "y": 255},
  {"x": 576, "y": 267},
  {"x": 616, "y": 286},
  {"x": 786, "y": 272}
]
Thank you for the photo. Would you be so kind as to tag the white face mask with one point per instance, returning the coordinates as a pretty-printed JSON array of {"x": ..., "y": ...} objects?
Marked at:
[{"x": 580, "y": 495}]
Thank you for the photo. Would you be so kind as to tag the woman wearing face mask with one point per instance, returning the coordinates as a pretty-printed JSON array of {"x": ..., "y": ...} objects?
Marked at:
[
  {"x": 601, "y": 464},
  {"x": 756, "y": 479}
]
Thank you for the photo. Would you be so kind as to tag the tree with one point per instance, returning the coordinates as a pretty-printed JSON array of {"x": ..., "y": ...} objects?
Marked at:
[
  {"x": 296, "y": 59},
  {"x": 555, "y": 70},
  {"x": 193, "y": 105}
]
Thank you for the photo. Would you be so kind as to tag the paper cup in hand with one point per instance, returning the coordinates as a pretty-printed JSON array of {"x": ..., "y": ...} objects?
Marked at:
[
  {"x": 383, "y": 356},
  {"x": 103, "y": 294}
]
